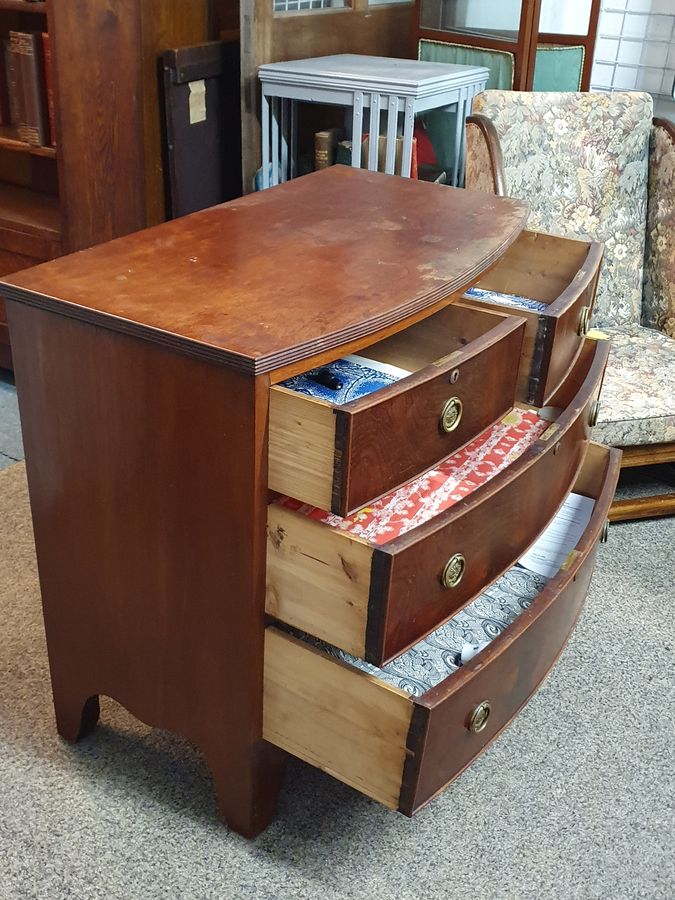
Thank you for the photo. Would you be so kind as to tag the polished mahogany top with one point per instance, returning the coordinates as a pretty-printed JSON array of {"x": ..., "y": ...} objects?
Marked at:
[{"x": 284, "y": 274}]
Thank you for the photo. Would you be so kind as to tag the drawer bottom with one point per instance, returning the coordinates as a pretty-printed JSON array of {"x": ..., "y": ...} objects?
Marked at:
[{"x": 402, "y": 750}]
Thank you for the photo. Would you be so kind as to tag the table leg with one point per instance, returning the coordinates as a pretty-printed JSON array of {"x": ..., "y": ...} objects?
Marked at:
[
  {"x": 284, "y": 140},
  {"x": 76, "y": 714},
  {"x": 357, "y": 129},
  {"x": 265, "y": 116},
  {"x": 392, "y": 130},
  {"x": 459, "y": 137},
  {"x": 462, "y": 146},
  {"x": 247, "y": 786},
  {"x": 294, "y": 138},
  {"x": 274, "y": 122},
  {"x": 374, "y": 131},
  {"x": 408, "y": 133}
]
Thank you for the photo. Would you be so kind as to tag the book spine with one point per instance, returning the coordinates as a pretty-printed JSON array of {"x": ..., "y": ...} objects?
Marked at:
[
  {"x": 325, "y": 143},
  {"x": 13, "y": 84},
  {"x": 33, "y": 123},
  {"x": 4, "y": 88},
  {"x": 49, "y": 85}
]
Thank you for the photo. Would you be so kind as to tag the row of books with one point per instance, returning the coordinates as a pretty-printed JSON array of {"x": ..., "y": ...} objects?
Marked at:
[
  {"x": 26, "y": 91},
  {"x": 330, "y": 148}
]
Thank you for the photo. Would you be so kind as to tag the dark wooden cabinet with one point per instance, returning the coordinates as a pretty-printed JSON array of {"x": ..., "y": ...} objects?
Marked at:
[
  {"x": 169, "y": 568},
  {"x": 104, "y": 178}
]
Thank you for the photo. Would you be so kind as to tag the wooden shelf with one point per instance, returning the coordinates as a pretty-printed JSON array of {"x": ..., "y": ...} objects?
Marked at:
[
  {"x": 9, "y": 140},
  {"x": 30, "y": 212},
  {"x": 24, "y": 6}
]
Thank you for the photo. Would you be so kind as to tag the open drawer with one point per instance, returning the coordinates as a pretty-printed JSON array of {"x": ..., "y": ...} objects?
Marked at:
[
  {"x": 559, "y": 277},
  {"x": 464, "y": 367},
  {"x": 400, "y": 749},
  {"x": 375, "y": 599}
]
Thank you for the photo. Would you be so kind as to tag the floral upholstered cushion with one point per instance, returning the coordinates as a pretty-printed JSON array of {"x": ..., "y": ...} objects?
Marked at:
[
  {"x": 658, "y": 304},
  {"x": 580, "y": 159},
  {"x": 637, "y": 402}
]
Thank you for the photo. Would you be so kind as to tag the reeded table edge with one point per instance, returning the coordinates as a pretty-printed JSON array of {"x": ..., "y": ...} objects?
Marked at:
[{"x": 264, "y": 363}]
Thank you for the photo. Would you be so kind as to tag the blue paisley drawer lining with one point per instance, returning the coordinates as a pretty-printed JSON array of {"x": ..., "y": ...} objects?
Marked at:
[
  {"x": 511, "y": 300},
  {"x": 431, "y": 661}
]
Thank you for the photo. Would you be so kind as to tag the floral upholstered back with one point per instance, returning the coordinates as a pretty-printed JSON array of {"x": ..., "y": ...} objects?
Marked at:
[
  {"x": 658, "y": 306},
  {"x": 580, "y": 159}
]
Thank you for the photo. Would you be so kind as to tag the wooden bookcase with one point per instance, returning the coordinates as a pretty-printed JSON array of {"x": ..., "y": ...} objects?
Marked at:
[{"x": 105, "y": 178}]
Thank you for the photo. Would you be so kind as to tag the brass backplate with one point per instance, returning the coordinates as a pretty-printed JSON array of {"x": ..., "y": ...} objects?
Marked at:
[
  {"x": 451, "y": 414},
  {"x": 453, "y": 571},
  {"x": 479, "y": 717}
]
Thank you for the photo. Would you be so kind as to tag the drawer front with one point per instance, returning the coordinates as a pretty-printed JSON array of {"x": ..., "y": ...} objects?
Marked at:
[
  {"x": 489, "y": 531},
  {"x": 382, "y": 444},
  {"x": 402, "y": 751},
  {"x": 561, "y": 333},
  {"x": 562, "y": 273},
  {"x": 445, "y": 736},
  {"x": 446, "y": 733},
  {"x": 342, "y": 458},
  {"x": 375, "y": 602}
]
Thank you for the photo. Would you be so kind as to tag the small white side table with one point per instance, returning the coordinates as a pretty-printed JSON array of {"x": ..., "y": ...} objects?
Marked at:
[{"x": 376, "y": 83}]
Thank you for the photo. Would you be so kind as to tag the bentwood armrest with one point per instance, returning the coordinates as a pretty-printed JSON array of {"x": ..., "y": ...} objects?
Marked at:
[{"x": 491, "y": 141}]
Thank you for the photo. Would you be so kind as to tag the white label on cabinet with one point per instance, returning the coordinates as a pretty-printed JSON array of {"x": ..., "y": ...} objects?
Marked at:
[{"x": 197, "y": 102}]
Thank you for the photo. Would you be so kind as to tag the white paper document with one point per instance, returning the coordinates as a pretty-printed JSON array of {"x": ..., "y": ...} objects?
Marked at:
[{"x": 547, "y": 555}]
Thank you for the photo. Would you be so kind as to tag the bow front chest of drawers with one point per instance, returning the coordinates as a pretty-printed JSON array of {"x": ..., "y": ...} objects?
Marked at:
[{"x": 184, "y": 500}]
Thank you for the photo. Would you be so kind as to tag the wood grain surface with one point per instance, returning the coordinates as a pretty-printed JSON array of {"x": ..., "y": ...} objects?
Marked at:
[
  {"x": 340, "y": 457},
  {"x": 508, "y": 672},
  {"x": 330, "y": 583},
  {"x": 406, "y": 416},
  {"x": 563, "y": 273},
  {"x": 147, "y": 478},
  {"x": 491, "y": 528},
  {"x": 355, "y": 726},
  {"x": 285, "y": 273}
]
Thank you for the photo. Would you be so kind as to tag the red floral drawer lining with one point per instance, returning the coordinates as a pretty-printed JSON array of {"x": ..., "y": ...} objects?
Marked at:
[{"x": 426, "y": 496}]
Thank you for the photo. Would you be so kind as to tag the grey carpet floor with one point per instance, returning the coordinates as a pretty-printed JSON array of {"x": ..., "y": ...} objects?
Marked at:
[
  {"x": 574, "y": 800},
  {"x": 11, "y": 444}
]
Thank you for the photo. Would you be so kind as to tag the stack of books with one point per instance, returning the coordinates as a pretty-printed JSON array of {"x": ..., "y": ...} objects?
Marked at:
[
  {"x": 329, "y": 150},
  {"x": 26, "y": 91}
]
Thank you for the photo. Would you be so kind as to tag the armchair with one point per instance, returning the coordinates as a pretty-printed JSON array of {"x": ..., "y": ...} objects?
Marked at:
[{"x": 596, "y": 166}]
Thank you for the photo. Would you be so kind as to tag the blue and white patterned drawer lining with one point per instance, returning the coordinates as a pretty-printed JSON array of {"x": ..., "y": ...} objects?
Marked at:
[
  {"x": 431, "y": 661},
  {"x": 511, "y": 300}
]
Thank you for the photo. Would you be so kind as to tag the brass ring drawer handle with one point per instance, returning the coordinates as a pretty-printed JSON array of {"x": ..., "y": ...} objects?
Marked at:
[
  {"x": 453, "y": 571},
  {"x": 451, "y": 414},
  {"x": 593, "y": 413},
  {"x": 584, "y": 320},
  {"x": 604, "y": 534},
  {"x": 479, "y": 717}
]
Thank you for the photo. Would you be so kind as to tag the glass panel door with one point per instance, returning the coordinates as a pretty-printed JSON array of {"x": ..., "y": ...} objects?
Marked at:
[
  {"x": 497, "y": 19},
  {"x": 570, "y": 17}
]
